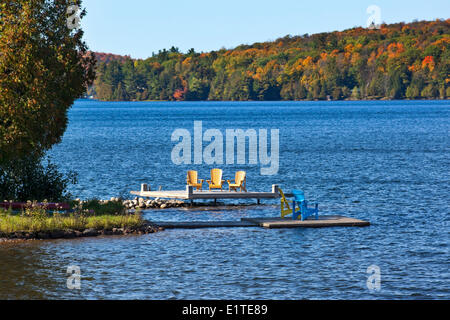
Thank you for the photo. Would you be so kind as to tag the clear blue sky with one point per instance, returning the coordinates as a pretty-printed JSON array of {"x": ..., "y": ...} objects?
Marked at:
[{"x": 140, "y": 27}]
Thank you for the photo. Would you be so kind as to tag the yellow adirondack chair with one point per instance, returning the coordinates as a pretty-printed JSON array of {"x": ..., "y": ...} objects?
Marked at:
[
  {"x": 216, "y": 181},
  {"x": 285, "y": 208},
  {"x": 193, "y": 181},
  {"x": 240, "y": 182}
]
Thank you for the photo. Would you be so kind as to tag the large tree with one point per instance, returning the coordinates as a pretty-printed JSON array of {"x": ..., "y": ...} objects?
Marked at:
[{"x": 44, "y": 67}]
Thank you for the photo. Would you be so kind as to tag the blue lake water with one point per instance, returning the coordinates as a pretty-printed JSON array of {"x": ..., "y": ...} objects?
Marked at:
[{"x": 386, "y": 162}]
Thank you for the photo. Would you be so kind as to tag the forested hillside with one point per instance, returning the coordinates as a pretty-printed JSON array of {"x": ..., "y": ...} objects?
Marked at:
[{"x": 397, "y": 61}]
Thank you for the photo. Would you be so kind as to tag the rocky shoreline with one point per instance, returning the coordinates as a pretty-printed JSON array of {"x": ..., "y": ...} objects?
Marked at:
[
  {"x": 146, "y": 228},
  {"x": 140, "y": 203}
]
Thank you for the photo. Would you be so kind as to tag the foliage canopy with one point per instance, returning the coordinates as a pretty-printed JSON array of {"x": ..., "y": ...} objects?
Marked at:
[
  {"x": 44, "y": 67},
  {"x": 396, "y": 61}
]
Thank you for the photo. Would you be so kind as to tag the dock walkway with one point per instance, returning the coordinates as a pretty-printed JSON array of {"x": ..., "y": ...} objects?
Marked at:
[{"x": 269, "y": 223}]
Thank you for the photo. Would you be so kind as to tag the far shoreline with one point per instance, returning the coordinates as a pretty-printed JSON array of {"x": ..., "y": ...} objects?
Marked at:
[{"x": 264, "y": 101}]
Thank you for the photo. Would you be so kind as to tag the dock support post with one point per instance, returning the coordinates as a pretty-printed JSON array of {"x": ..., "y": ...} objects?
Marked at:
[
  {"x": 189, "y": 191},
  {"x": 259, "y": 201},
  {"x": 275, "y": 188},
  {"x": 144, "y": 187}
]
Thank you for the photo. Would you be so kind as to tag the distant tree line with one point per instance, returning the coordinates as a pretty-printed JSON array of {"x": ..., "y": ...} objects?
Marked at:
[{"x": 397, "y": 61}]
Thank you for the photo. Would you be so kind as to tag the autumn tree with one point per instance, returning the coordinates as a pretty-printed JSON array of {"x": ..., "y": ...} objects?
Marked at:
[{"x": 44, "y": 67}]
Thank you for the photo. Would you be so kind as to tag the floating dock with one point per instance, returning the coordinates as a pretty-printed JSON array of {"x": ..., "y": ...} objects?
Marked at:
[
  {"x": 322, "y": 222},
  {"x": 269, "y": 223}
]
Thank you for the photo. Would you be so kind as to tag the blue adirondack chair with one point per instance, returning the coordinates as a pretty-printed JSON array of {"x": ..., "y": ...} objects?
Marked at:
[{"x": 304, "y": 212}]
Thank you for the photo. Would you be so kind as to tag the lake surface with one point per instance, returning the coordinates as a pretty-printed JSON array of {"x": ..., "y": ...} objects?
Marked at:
[{"x": 386, "y": 162}]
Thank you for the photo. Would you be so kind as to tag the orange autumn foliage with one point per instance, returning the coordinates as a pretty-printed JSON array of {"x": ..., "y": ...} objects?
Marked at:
[
  {"x": 395, "y": 49},
  {"x": 428, "y": 62}
]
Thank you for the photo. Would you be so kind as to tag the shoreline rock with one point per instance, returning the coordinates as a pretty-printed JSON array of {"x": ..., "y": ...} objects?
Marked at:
[{"x": 140, "y": 203}]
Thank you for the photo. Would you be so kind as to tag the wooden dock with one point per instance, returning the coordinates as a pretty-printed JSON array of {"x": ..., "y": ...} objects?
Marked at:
[
  {"x": 191, "y": 194},
  {"x": 269, "y": 223}
]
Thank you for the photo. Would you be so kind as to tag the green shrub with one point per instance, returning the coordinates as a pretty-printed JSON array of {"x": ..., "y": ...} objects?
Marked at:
[
  {"x": 108, "y": 208},
  {"x": 30, "y": 179}
]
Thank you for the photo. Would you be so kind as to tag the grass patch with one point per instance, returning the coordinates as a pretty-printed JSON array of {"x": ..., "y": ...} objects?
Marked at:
[{"x": 95, "y": 215}]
